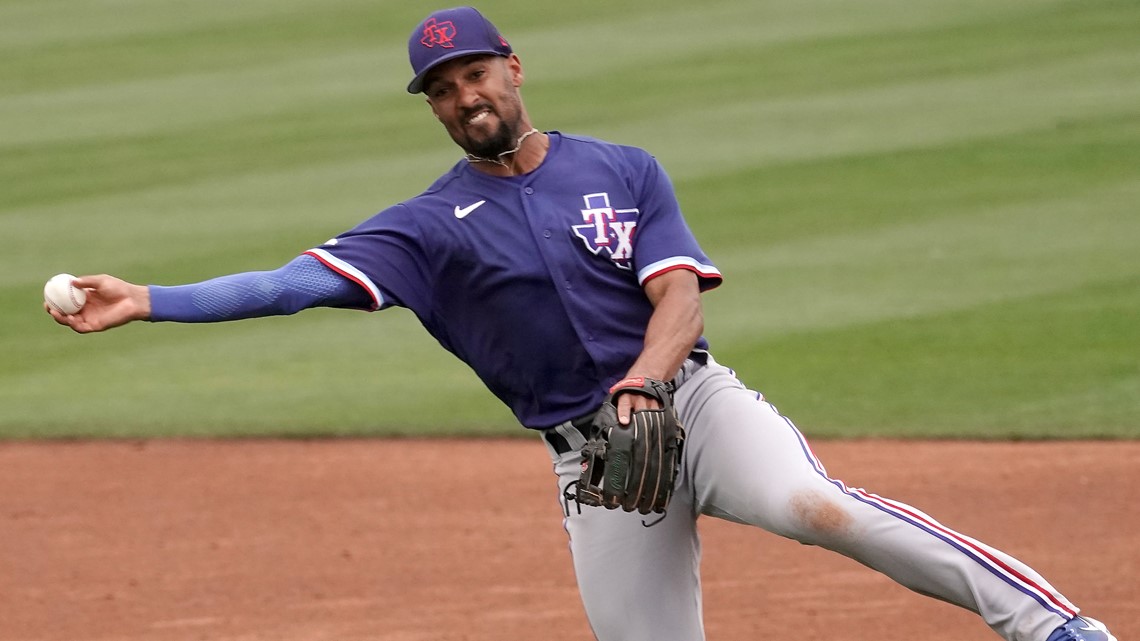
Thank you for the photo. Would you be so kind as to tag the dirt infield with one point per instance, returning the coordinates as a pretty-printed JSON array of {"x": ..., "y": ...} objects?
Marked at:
[{"x": 412, "y": 540}]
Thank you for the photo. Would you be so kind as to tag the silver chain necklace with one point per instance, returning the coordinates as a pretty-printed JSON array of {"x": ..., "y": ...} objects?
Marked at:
[{"x": 499, "y": 159}]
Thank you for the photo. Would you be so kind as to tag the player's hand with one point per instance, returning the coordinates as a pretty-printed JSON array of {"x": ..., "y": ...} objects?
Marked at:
[
  {"x": 111, "y": 302},
  {"x": 627, "y": 404}
]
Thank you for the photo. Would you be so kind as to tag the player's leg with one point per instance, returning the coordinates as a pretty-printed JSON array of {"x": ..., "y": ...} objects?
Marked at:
[
  {"x": 749, "y": 464},
  {"x": 637, "y": 583}
]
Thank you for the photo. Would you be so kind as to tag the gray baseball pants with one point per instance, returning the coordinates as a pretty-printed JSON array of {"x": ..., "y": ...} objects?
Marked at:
[{"x": 744, "y": 462}]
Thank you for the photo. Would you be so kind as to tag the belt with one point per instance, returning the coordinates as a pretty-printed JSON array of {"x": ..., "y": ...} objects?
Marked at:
[{"x": 559, "y": 442}]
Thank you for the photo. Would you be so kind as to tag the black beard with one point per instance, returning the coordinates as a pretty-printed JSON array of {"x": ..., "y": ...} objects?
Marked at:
[{"x": 500, "y": 142}]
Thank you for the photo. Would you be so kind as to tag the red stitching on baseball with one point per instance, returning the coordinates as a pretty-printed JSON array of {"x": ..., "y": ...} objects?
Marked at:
[{"x": 74, "y": 300}]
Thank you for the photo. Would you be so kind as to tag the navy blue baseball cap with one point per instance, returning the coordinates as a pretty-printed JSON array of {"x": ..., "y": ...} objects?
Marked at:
[{"x": 449, "y": 34}]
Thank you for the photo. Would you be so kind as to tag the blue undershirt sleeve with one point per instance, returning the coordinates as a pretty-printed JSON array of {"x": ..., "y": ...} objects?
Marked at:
[{"x": 302, "y": 283}]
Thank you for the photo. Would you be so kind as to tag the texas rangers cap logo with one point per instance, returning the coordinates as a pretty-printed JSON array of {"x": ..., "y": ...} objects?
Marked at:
[
  {"x": 438, "y": 33},
  {"x": 607, "y": 230}
]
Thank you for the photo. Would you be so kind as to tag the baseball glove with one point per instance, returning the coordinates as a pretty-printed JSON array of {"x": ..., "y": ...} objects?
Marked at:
[{"x": 633, "y": 466}]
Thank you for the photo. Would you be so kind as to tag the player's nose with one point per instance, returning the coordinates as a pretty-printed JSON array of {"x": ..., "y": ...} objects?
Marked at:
[{"x": 468, "y": 96}]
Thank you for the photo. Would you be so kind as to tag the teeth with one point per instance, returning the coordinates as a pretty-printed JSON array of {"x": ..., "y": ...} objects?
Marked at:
[{"x": 478, "y": 117}]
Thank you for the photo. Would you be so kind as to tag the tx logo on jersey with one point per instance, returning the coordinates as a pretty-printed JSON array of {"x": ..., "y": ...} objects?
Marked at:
[
  {"x": 607, "y": 229},
  {"x": 438, "y": 33}
]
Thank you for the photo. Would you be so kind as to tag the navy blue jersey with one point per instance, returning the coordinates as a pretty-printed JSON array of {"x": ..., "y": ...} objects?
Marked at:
[{"x": 534, "y": 281}]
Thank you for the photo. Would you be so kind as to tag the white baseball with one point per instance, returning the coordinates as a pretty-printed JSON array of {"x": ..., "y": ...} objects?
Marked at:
[{"x": 63, "y": 296}]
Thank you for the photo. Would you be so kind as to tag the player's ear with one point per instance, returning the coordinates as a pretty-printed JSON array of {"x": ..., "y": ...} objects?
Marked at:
[{"x": 514, "y": 66}]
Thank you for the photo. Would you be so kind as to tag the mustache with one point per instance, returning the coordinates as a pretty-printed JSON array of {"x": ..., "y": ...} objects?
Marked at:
[{"x": 471, "y": 111}]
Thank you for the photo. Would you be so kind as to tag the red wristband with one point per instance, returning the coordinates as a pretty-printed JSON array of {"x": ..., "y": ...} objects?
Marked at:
[{"x": 633, "y": 381}]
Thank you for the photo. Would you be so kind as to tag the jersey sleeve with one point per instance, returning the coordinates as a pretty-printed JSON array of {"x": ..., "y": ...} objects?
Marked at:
[
  {"x": 382, "y": 255},
  {"x": 663, "y": 241}
]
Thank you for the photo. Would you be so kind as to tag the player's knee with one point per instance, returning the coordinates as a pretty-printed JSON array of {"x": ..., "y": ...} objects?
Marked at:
[{"x": 818, "y": 515}]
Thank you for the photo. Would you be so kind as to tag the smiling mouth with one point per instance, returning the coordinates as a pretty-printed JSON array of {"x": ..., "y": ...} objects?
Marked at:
[{"x": 479, "y": 117}]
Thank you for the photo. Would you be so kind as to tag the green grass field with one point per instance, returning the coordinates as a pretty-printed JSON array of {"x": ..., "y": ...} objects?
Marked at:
[{"x": 927, "y": 213}]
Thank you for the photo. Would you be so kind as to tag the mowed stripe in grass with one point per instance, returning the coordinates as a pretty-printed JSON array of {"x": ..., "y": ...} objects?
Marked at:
[
  {"x": 1002, "y": 220},
  {"x": 1056, "y": 365}
]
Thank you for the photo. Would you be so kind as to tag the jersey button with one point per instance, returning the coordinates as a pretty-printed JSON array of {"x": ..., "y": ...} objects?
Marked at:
[
  {"x": 528, "y": 191},
  {"x": 547, "y": 234}
]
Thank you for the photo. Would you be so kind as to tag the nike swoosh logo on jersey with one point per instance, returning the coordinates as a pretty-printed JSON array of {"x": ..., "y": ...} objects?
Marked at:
[{"x": 461, "y": 212}]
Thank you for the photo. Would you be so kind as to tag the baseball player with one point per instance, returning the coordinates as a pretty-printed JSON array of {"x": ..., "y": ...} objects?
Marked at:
[{"x": 558, "y": 266}]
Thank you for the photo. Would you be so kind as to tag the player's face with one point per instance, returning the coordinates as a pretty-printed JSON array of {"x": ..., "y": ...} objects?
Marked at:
[{"x": 477, "y": 100}]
